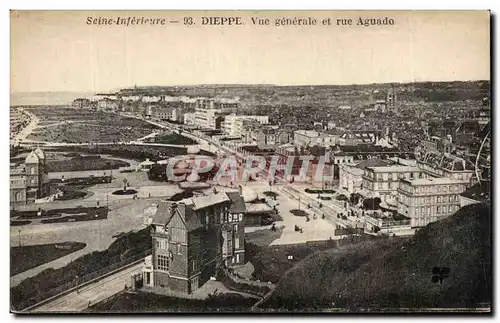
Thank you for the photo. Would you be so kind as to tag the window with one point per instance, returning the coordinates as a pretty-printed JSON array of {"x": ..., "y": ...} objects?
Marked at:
[
  {"x": 162, "y": 262},
  {"x": 193, "y": 264},
  {"x": 438, "y": 210},
  {"x": 237, "y": 258},
  {"x": 179, "y": 249},
  {"x": 236, "y": 241}
]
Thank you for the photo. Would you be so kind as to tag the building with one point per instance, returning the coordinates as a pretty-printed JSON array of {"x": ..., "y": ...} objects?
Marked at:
[
  {"x": 210, "y": 113},
  {"x": 427, "y": 200},
  {"x": 354, "y": 138},
  {"x": 193, "y": 237},
  {"x": 81, "y": 103},
  {"x": 270, "y": 137},
  {"x": 351, "y": 174},
  {"x": 177, "y": 115},
  {"x": 233, "y": 126},
  {"x": 29, "y": 181},
  {"x": 304, "y": 138},
  {"x": 160, "y": 112},
  {"x": 445, "y": 165},
  {"x": 383, "y": 181},
  {"x": 189, "y": 118},
  {"x": 436, "y": 144},
  {"x": 107, "y": 105},
  {"x": 341, "y": 158}
]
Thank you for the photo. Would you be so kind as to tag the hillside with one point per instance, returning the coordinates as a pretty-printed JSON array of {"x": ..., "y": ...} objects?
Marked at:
[{"x": 380, "y": 275}]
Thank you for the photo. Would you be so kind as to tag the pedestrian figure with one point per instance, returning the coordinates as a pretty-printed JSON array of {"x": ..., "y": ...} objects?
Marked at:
[
  {"x": 89, "y": 303},
  {"x": 314, "y": 216}
]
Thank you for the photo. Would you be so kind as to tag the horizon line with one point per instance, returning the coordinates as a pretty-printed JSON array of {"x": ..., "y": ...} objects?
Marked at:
[{"x": 255, "y": 84}]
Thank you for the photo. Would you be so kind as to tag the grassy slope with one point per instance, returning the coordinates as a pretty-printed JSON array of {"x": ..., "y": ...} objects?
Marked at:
[
  {"x": 398, "y": 274},
  {"x": 27, "y": 257}
]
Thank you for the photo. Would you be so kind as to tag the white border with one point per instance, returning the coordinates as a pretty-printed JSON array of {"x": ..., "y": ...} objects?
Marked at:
[{"x": 212, "y": 5}]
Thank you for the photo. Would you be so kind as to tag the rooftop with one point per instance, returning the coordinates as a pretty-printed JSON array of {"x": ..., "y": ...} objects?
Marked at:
[
  {"x": 373, "y": 162},
  {"x": 434, "y": 181},
  {"x": 394, "y": 169},
  {"x": 257, "y": 207}
]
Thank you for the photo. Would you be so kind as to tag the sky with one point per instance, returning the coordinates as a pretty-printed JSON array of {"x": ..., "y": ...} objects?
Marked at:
[{"x": 58, "y": 51}]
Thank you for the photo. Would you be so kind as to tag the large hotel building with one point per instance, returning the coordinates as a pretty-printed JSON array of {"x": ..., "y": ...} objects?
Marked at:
[{"x": 425, "y": 192}]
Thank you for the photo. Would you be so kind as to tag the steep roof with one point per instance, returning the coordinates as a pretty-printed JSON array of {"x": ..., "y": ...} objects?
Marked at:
[
  {"x": 40, "y": 153},
  {"x": 237, "y": 202},
  {"x": 162, "y": 215},
  {"x": 32, "y": 158}
]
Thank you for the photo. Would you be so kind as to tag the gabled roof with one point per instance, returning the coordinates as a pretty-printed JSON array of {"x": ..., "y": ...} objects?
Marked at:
[
  {"x": 32, "y": 158},
  {"x": 200, "y": 202},
  {"x": 163, "y": 215},
  {"x": 237, "y": 202}
]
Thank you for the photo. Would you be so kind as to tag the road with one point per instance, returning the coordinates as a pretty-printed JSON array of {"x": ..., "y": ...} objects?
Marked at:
[{"x": 95, "y": 292}]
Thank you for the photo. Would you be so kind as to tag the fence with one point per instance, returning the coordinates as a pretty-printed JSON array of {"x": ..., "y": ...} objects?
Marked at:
[{"x": 79, "y": 282}]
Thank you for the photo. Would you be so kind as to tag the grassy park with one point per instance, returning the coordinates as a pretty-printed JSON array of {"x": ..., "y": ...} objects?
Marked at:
[{"x": 76, "y": 126}]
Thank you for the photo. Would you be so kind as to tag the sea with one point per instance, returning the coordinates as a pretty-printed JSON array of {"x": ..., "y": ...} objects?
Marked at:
[{"x": 46, "y": 98}]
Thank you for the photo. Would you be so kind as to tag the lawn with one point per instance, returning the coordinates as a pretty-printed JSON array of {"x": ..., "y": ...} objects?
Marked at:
[
  {"x": 81, "y": 182},
  {"x": 88, "y": 214},
  {"x": 135, "y": 152},
  {"x": 174, "y": 139},
  {"x": 62, "y": 215},
  {"x": 271, "y": 262},
  {"x": 86, "y": 163},
  {"x": 270, "y": 194},
  {"x": 89, "y": 127},
  {"x": 149, "y": 302},
  {"x": 27, "y": 257}
]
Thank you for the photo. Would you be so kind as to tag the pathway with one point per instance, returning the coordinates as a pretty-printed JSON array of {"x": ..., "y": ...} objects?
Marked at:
[{"x": 77, "y": 301}]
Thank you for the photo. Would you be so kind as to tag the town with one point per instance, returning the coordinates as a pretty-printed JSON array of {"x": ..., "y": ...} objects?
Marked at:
[{"x": 119, "y": 196}]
